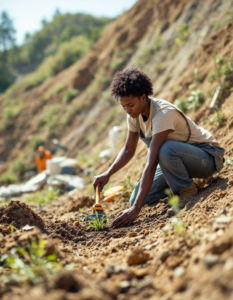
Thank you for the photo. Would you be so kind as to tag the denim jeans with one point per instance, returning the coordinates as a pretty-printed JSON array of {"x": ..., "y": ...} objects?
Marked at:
[{"x": 178, "y": 164}]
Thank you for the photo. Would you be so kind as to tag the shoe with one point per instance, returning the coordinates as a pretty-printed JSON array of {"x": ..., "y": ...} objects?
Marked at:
[{"x": 186, "y": 195}]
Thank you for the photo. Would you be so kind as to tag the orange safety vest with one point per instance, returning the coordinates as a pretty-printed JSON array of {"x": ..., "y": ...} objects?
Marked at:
[{"x": 41, "y": 163}]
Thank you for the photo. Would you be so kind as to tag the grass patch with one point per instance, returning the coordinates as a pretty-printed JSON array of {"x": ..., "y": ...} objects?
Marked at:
[
  {"x": 182, "y": 34},
  {"x": 9, "y": 177},
  {"x": 69, "y": 95},
  {"x": 96, "y": 223},
  {"x": 36, "y": 141},
  {"x": 44, "y": 198},
  {"x": 50, "y": 118},
  {"x": 194, "y": 101}
]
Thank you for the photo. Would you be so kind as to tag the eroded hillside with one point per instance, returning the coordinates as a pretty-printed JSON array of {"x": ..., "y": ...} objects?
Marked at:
[{"x": 189, "y": 257}]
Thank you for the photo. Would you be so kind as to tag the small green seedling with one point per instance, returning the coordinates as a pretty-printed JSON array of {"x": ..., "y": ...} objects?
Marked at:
[
  {"x": 30, "y": 264},
  {"x": 173, "y": 200},
  {"x": 12, "y": 229},
  {"x": 206, "y": 206},
  {"x": 97, "y": 223},
  {"x": 81, "y": 209},
  {"x": 179, "y": 226}
]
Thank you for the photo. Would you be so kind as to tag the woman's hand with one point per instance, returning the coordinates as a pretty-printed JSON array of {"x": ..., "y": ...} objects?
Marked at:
[
  {"x": 126, "y": 216},
  {"x": 102, "y": 180}
]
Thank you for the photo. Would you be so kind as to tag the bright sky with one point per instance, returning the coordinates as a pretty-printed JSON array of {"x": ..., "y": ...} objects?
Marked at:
[{"x": 27, "y": 14}]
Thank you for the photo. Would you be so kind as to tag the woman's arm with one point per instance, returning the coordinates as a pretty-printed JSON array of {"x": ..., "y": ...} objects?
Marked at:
[
  {"x": 129, "y": 215},
  {"x": 124, "y": 156}
]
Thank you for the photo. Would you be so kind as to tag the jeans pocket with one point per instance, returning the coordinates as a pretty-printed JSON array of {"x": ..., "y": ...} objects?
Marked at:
[{"x": 207, "y": 168}]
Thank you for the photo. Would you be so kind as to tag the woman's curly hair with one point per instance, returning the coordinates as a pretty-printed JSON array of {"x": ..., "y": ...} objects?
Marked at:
[{"x": 131, "y": 82}]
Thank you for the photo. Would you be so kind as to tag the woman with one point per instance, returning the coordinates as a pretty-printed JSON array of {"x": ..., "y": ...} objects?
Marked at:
[{"x": 178, "y": 149}]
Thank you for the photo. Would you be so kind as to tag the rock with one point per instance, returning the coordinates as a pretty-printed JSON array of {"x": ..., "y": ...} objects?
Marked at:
[
  {"x": 162, "y": 225},
  {"x": 164, "y": 254},
  {"x": 124, "y": 284},
  {"x": 78, "y": 238},
  {"x": 142, "y": 272},
  {"x": 77, "y": 224},
  {"x": 210, "y": 260},
  {"x": 114, "y": 269},
  {"x": 89, "y": 243},
  {"x": 151, "y": 246},
  {"x": 174, "y": 261},
  {"x": 132, "y": 234},
  {"x": 223, "y": 211},
  {"x": 146, "y": 232},
  {"x": 137, "y": 256},
  {"x": 137, "y": 229},
  {"x": 178, "y": 272},
  {"x": 28, "y": 228},
  {"x": 6, "y": 228}
]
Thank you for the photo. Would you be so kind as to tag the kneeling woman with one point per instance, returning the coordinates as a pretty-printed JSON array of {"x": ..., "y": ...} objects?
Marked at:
[{"x": 178, "y": 149}]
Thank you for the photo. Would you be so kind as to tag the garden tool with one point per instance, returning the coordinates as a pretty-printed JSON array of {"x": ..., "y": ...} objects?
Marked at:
[{"x": 97, "y": 207}]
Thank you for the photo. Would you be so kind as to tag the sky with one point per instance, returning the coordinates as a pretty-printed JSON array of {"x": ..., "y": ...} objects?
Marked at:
[{"x": 27, "y": 14}]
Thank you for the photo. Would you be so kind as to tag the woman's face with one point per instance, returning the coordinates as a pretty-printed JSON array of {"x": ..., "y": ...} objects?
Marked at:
[{"x": 132, "y": 105}]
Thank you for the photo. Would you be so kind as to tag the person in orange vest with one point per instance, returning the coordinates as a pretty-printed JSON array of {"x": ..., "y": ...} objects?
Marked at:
[{"x": 41, "y": 158}]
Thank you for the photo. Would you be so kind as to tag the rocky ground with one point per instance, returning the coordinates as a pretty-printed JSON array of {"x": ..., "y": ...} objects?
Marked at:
[{"x": 151, "y": 259}]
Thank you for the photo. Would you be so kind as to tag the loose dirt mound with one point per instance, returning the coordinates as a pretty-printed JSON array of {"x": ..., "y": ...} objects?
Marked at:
[
  {"x": 80, "y": 203},
  {"x": 19, "y": 214}
]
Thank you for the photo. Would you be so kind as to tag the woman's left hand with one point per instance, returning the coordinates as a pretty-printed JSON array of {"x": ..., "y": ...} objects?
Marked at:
[{"x": 126, "y": 217}]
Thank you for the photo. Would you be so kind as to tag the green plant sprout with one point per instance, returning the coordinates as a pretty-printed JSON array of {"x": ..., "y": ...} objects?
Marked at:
[
  {"x": 218, "y": 118},
  {"x": 179, "y": 226},
  {"x": 32, "y": 265},
  {"x": 173, "y": 200},
  {"x": 195, "y": 99},
  {"x": 129, "y": 186},
  {"x": 96, "y": 223},
  {"x": 222, "y": 71},
  {"x": 81, "y": 209},
  {"x": 44, "y": 198}
]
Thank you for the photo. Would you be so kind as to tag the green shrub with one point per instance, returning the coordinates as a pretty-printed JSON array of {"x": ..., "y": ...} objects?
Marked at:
[
  {"x": 195, "y": 99},
  {"x": 69, "y": 95},
  {"x": 182, "y": 34},
  {"x": 197, "y": 75},
  {"x": 54, "y": 90},
  {"x": 10, "y": 114}
]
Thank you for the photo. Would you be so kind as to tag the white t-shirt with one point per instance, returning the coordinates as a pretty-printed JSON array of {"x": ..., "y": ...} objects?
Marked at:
[{"x": 165, "y": 117}]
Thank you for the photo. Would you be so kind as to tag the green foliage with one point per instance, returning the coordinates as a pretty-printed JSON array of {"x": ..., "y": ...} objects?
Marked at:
[
  {"x": 31, "y": 266},
  {"x": 182, "y": 34},
  {"x": 87, "y": 161},
  {"x": 182, "y": 104},
  {"x": 179, "y": 226},
  {"x": 69, "y": 95},
  {"x": 50, "y": 118},
  {"x": 53, "y": 35},
  {"x": 146, "y": 54},
  {"x": 96, "y": 223},
  {"x": 129, "y": 186},
  {"x": 223, "y": 69},
  {"x": 19, "y": 166},
  {"x": 194, "y": 101},
  {"x": 119, "y": 57},
  {"x": 9, "y": 177},
  {"x": 197, "y": 75},
  {"x": 36, "y": 141},
  {"x": 57, "y": 88},
  {"x": 218, "y": 118},
  {"x": 44, "y": 198},
  {"x": 10, "y": 114},
  {"x": 173, "y": 200}
]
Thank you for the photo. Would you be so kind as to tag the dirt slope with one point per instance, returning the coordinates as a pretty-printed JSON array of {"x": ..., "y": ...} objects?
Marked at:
[{"x": 153, "y": 258}]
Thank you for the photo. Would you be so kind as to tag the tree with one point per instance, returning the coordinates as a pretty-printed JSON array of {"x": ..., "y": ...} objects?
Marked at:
[{"x": 7, "y": 32}]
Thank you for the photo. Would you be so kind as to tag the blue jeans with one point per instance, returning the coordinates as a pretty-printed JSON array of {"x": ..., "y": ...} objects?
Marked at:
[{"x": 179, "y": 163}]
